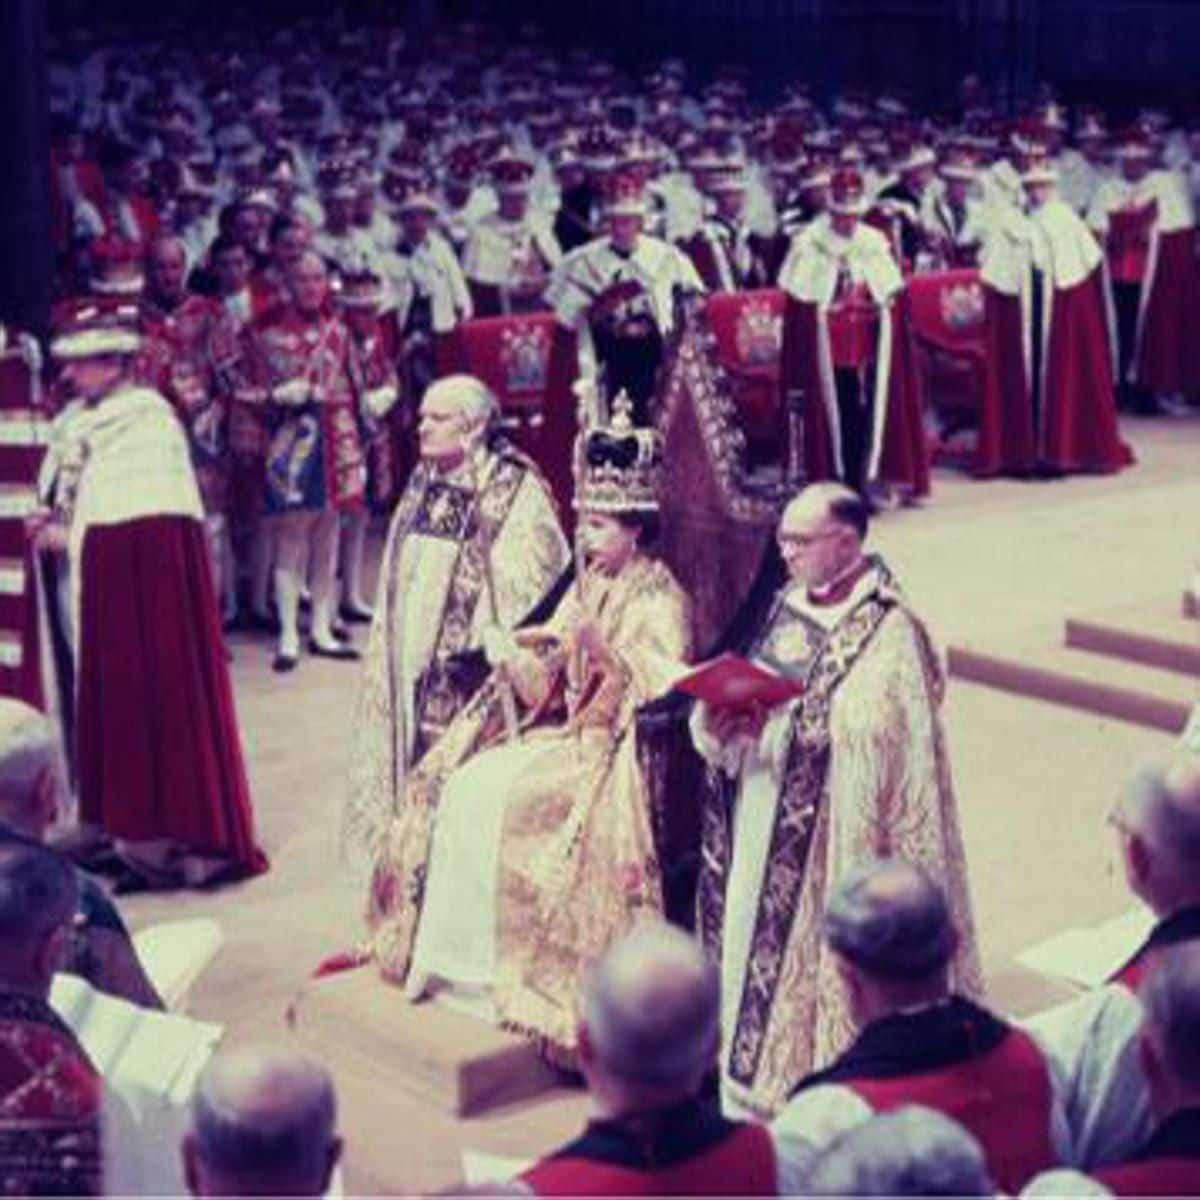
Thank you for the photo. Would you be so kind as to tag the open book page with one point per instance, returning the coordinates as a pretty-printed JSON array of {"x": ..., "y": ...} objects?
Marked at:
[
  {"x": 174, "y": 953},
  {"x": 153, "y": 1054}
]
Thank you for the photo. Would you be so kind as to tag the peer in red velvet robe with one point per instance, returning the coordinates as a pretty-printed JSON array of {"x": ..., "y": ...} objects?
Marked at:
[
  {"x": 160, "y": 768},
  {"x": 847, "y": 346},
  {"x": 1144, "y": 219},
  {"x": 1048, "y": 403}
]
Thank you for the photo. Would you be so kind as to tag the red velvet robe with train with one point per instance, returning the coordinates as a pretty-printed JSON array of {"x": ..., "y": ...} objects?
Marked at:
[
  {"x": 1068, "y": 421},
  {"x": 160, "y": 755},
  {"x": 865, "y": 325}
]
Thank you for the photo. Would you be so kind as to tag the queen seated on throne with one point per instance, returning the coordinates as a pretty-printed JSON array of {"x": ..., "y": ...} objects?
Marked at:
[{"x": 524, "y": 844}]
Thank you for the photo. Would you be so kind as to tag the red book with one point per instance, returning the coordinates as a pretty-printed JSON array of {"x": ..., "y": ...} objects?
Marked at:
[{"x": 729, "y": 681}]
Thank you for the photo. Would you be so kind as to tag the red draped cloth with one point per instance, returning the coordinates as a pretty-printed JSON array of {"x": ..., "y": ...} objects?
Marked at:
[
  {"x": 1168, "y": 362},
  {"x": 904, "y": 458},
  {"x": 160, "y": 755},
  {"x": 1078, "y": 430},
  {"x": 1081, "y": 432},
  {"x": 51, "y": 1102},
  {"x": 1007, "y": 443}
]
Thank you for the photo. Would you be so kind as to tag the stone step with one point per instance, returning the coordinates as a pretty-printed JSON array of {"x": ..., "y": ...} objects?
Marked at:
[
  {"x": 461, "y": 1064},
  {"x": 1094, "y": 683},
  {"x": 1155, "y": 639}
]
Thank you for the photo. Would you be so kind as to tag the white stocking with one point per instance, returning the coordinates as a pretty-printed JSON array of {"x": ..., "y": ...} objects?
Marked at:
[{"x": 322, "y": 575}]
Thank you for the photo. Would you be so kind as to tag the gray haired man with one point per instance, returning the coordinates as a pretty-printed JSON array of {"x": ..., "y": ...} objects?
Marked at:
[
  {"x": 889, "y": 925},
  {"x": 264, "y": 1123},
  {"x": 647, "y": 1039}
]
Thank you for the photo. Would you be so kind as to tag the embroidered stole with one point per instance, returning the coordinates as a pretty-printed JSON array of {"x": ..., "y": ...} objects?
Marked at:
[
  {"x": 474, "y": 521},
  {"x": 801, "y": 793}
]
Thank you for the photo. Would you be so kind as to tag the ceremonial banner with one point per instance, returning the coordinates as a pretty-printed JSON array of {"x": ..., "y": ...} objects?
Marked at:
[
  {"x": 748, "y": 328},
  {"x": 949, "y": 322},
  {"x": 528, "y": 361}
]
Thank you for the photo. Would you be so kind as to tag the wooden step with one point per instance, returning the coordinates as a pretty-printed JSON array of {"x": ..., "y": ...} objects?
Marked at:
[
  {"x": 1155, "y": 639},
  {"x": 462, "y": 1065},
  {"x": 1094, "y": 683}
]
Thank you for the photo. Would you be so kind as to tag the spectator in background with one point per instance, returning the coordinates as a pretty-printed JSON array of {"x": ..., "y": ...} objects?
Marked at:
[
  {"x": 911, "y": 1152},
  {"x": 98, "y": 947},
  {"x": 264, "y": 1123}
]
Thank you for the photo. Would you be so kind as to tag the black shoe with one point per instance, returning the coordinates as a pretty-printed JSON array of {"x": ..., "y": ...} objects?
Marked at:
[
  {"x": 354, "y": 615},
  {"x": 284, "y": 663},
  {"x": 342, "y": 653},
  {"x": 340, "y": 632}
]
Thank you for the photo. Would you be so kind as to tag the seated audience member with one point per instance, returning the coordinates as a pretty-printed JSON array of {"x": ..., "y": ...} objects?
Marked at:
[
  {"x": 913, "y": 1151},
  {"x": 890, "y": 928},
  {"x": 1168, "y": 1163},
  {"x": 264, "y": 1123},
  {"x": 1094, "y": 1039},
  {"x": 51, "y": 1096},
  {"x": 98, "y": 948},
  {"x": 648, "y": 1036}
]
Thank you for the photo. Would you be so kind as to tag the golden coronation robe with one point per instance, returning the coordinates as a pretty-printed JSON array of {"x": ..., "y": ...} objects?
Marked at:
[
  {"x": 513, "y": 863},
  {"x": 855, "y": 768}
]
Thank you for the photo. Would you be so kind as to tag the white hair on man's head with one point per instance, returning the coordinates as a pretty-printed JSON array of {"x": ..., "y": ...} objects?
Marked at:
[
  {"x": 265, "y": 1113},
  {"x": 27, "y": 751},
  {"x": 913, "y": 1151},
  {"x": 1064, "y": 1181},
  {"x": 478, "y": 401},
  {"x": 652, "y": 1005},
  {"x": 1162, "y": 805}
]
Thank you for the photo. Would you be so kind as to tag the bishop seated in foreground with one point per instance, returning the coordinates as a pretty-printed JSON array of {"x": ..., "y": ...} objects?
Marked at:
[{"x": 523, "y": 845}]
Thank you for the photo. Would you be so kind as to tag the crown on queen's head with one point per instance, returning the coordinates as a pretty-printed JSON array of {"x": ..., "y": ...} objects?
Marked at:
[{"x": 619, "y": 465}]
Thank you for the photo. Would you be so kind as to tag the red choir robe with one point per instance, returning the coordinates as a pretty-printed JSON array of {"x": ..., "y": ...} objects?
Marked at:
[
  {"x": 846, "y": 312},
  {"x": 159, "y": 751},
  {"x": 1065, "y": 418},
  {"x": 51, "y": 1104},
  {"x": 1168, "y": 1164},
  {"x": 960, "y": 1060},
  {"x": 687, "y": 1150},
  {"x": 1149, "y": 232}
]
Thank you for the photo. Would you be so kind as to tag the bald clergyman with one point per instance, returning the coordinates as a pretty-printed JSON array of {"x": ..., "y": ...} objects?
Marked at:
[{"x": 855, "y": 768}]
